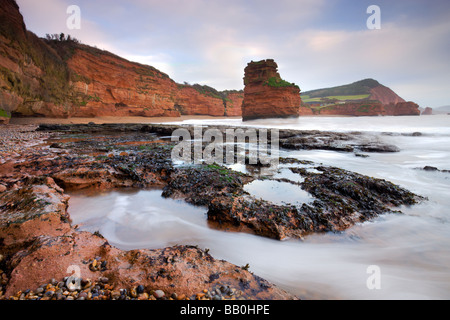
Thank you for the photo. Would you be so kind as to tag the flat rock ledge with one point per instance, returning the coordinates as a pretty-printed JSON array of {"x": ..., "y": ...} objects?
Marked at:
[{"x": 38, "y": 241}]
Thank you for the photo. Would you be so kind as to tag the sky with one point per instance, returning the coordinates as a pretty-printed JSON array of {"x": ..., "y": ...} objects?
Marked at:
[{"x": 316, "y": 43}]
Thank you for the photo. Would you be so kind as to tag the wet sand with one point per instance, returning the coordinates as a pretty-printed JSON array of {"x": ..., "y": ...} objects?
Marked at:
[{"x": 101, "y": 120}]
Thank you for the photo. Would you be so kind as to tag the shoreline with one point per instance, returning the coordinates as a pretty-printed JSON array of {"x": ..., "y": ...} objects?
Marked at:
[
  {"x": 42, "y": 228},
  {"x": 47, "y": 173},
  {"x": 108, "y": 119},
  {"x": 112, "y": 119}
]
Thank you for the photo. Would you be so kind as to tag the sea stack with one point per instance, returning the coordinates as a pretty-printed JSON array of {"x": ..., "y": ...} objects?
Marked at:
[
  {"x": 427, "y": 112},
  {"x": 266, "y": 95}
]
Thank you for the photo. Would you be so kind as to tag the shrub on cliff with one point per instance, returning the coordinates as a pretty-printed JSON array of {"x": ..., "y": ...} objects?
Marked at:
[
  {"x": 275, "y": 82},
  {"x": 4, "y": 114}
]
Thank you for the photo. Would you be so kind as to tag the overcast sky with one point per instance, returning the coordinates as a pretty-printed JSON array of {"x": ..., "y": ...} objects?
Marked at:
[{"x": 316, "y": 43}]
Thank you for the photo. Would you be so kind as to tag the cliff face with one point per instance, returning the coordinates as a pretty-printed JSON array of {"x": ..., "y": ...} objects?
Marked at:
[
  {"x": 234, "y": 104},
  {"x": 353, "y": 109},
  {"x": 402, "y": 109},
  {"x": 370, "y": 108},
  {"x": 33, "y": 78},
  {"x": 304, "y": 110},
  {"x": 362, "y": 98},
  {"x": 63, "y": 78},
  {"x": 385, "y": 95},
  {"x": 189, "y": 101},
  {"x": 266, "y": 95},
  {"x": 107, "y": 85}
]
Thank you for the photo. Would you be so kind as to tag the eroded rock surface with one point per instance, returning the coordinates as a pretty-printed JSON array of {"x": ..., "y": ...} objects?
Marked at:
[
  {"x": 38, "y": 241},
  {"x": 61, "y": 78},
  {"x": 266, "y": 95}
]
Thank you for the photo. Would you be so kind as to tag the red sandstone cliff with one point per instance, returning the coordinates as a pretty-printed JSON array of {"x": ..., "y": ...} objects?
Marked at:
[
  {"x": 23, "y": 59},
  {"x": 234, "y": 104},
  {"x": 108, "y": 85},
  {"x": 385, "y": 95},
  {"x": 380, "y": 100},
  {"x": 353, "y": 109},
  {"x": 266, "y": 95},
  {"x": 402, "y": 109},
  {"x": 370, "y": 108},
  {"x": 191, "y": 102},
  {"x": 305, "y": 110},
  {"x": 60, "y": 77}
]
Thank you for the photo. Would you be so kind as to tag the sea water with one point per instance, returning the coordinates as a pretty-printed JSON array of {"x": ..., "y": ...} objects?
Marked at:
[{"x": 411, "y": 251}]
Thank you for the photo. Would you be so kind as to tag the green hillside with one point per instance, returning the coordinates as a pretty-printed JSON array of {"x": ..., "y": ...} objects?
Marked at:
[
  {"x": 307, "y": 98},
  {"x": 355, "y": 91}
]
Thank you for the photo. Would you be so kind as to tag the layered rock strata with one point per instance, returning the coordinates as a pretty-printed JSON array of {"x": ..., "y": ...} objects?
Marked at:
[
  {"x": 266, "y": 95},
  {"x": 384, "y": 95},
  {"x": 59, "y": 77},
  {"x": 369, "y": 108}
]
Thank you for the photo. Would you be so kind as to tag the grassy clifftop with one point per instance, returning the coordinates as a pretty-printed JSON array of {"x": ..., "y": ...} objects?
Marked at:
[{"x": 360, "y": 88}]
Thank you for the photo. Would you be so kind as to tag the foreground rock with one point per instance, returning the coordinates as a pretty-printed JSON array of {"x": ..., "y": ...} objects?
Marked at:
[
  {"x": 39, "y": 244},
  {"x": 340, "y": 199},
  {"x": 75, "y": 288},
  {"x": 4, "y": 120},
  {"x": 38, "y": 241}
]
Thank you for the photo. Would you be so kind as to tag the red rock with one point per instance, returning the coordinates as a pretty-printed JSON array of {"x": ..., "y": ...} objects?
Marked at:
[
  {"x": 305, "y": 111},
  {"x": 402, "y": 109},
  {"x": 353, "y": 109},
  {"x": 266, "y": 95},
  {"x": 234, "y": 104},
  {"x": 111, "y": 86},
  {"x": 25, "y": 88},
  {"x": 370, "y": 108},
  {"x": 380, "y": 101},
  {"x": 35, "y": 73},
  {"x": 427, "y": 112},
  {"x": 9, "y": 101},
  {"x": 38, "y": 244},
  {"x": 60, "y": 79},
  {"x": 385, "y": 95},
  {"x": 14, "y": 20},
  {"x": 45, "y": 215},
  {"x": 189, "y": 101},
  {"x": 4, "y": 120}
]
